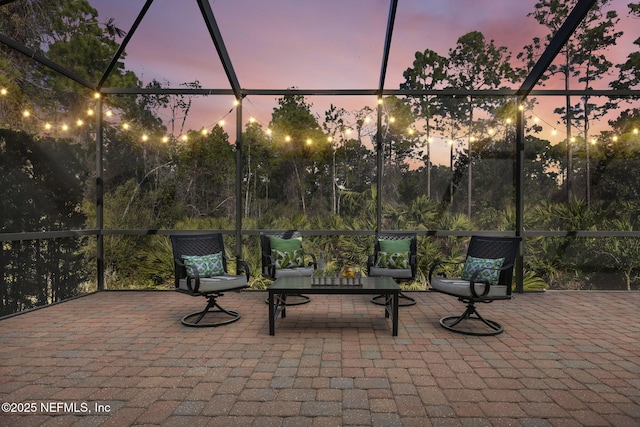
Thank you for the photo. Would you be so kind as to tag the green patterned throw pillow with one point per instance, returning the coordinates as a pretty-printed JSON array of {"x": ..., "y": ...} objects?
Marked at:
[
  {"x": 288, "y": 259},
  {"x": 285, "y": 244},
  {"x": 395, "y": 246},
  {"x": 393, "y": 260},
  {"x": 489, "y": 269},
  {"x": 207, "y": 265}
]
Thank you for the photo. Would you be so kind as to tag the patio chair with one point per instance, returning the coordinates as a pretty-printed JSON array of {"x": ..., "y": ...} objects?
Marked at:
[
  {"x": 394, "y": 255},
  {"x": 486, "y": 277},
  {"x": 282, "y": 256},
  {"x": 200, "y": 267}
]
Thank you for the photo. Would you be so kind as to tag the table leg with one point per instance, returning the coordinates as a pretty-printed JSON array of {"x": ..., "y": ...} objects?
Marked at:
[
  {"x": 272, "y": 320},
  {"x": 394, "y": 322}
]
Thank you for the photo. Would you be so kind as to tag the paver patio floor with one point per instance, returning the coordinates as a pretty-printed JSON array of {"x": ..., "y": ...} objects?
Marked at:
[{"x": 124, "y": 358}]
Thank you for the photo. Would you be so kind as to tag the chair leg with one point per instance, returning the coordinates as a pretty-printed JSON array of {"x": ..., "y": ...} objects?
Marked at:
[
  {"x": 212, "y": 307},
  {"x": 470, "y": 314},
  {"x": 404, "y": 300}
]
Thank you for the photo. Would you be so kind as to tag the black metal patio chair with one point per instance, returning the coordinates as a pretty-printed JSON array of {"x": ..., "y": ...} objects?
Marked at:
[
  {"x": 200, "y": 268},
  {"x": 282, "y": 256},
  {"x": 394, "y": 255},
  {"x": 486, "y": 277}
]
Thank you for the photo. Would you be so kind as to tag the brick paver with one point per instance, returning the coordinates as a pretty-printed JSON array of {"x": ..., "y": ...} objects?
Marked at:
[{"x": 124, "y": 358}]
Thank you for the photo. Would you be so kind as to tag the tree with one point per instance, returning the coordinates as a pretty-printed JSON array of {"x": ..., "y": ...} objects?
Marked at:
[
  {"x": 429, "y": 72},
  {"x": 206, "y": 174},
  {"x": 41, "y": 186},
  {"x": 476, "y": 64},
  {"x": 629, "y": 72},
  {"x": 256, "y": 161},
  {"x": 299, "y": 148},
  {"x": 583, "y": 58}
]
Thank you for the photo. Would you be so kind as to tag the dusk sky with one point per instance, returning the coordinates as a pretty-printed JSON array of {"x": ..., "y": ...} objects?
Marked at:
[{"x": 328, "y": 44}]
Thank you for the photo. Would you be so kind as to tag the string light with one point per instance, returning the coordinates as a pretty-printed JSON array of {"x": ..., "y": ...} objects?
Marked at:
[
  {"x": 4, "y": 91},
  {"x": 252, "y": 119}
]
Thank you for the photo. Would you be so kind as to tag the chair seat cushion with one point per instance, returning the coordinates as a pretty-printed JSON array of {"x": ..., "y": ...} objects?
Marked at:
[
  {"x": 396, "y": 273},
  {"x": 223, "y": 283},
  {"x": 294, "y": 272},
  {"x": 462, "y": 288}
]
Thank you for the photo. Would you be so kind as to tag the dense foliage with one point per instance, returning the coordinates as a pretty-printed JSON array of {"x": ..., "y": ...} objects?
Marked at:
[{"x": 307, "y": 172}]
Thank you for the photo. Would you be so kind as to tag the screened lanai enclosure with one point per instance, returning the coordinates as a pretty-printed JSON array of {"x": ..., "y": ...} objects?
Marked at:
[{"x": 123, "y": 122}]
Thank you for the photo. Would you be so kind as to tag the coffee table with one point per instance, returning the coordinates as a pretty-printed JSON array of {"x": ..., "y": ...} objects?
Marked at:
[{"x": 284, "y": 286}]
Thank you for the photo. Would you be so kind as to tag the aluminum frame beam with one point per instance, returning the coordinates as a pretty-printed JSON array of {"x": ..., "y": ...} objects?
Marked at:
[
  {"x": 125, "y": 42},
  {"x": 216, "y": 37}
]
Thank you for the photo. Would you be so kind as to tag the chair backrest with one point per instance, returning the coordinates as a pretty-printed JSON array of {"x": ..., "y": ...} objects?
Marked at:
[
  {"x": 497, "y": 247},
  {"x": 398, "y": 235},
  {"x": 199, "y": 245},
  {"x": 265, "y": 244}
]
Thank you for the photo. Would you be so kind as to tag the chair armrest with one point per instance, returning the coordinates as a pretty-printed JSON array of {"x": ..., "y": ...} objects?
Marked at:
[
  {"x": 413, "y": 262},
  {"x": 239, "y": 263},
  {"x": 245, "y": 267},
  {"x": 440, "y": 263},
  {"x": 487, "y": 286},
  {"x": 271, "y": 266},
  {"x": 370, "y": 260},
  {"x": 195, "y": 277},
  {"x": 315, "y": 261}
]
